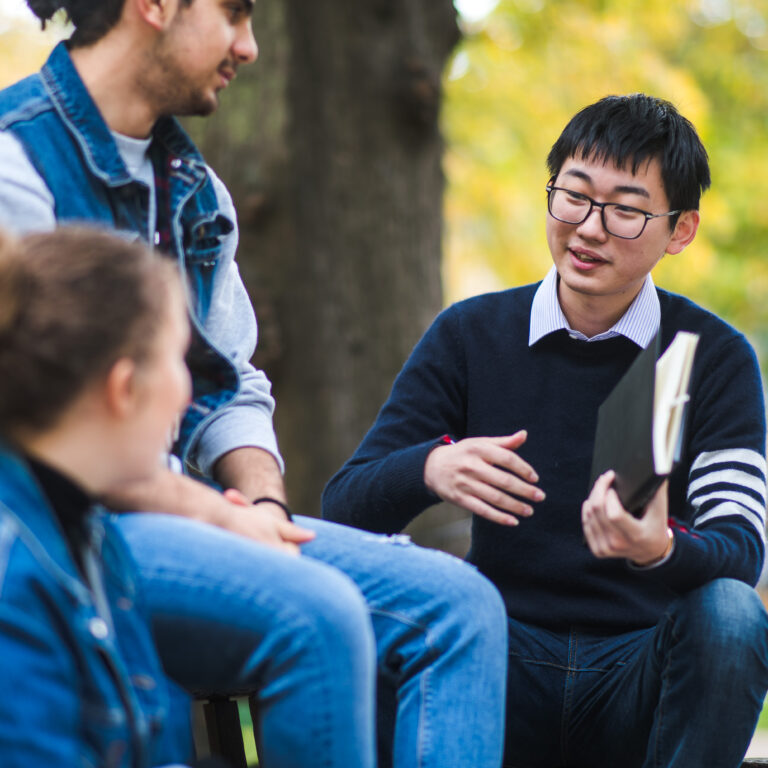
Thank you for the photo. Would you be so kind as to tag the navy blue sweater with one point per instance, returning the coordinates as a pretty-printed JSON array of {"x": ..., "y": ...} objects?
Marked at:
[{"x": 473, "y": 374}]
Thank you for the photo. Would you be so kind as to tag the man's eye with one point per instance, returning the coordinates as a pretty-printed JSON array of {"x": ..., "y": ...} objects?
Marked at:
[
  {"x": 234, "y": 11},
  {"x": 575, "y": 197},
  {"x": 627, "y": 212}
]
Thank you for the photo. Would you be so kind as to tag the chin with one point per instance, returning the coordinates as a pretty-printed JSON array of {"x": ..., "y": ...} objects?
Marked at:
[{"x": 201, "y": 106}]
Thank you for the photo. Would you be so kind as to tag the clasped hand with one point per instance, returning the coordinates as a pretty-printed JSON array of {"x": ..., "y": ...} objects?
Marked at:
[{"x": 485, "y": 476}]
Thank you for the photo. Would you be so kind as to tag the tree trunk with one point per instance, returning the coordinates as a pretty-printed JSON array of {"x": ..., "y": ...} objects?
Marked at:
[{"x": 331, "y": 147}]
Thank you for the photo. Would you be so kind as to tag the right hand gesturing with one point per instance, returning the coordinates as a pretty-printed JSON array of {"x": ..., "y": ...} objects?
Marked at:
[{"x": 485, "y": 476}]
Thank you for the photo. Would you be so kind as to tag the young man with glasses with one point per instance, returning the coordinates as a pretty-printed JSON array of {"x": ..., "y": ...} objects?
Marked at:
[{"x": 636, "y": 642}]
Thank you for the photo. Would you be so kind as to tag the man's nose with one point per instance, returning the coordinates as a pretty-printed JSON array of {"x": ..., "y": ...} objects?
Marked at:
[
  {"x": 245, "y": 46},
  {"x": 593, "y": 226}
]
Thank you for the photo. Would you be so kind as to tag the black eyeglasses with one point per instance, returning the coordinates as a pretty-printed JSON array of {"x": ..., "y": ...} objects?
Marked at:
[{"x": 618, "y": 220}]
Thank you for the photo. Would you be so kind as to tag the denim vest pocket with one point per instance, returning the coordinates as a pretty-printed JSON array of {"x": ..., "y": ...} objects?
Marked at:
[{"x": 203, "y": 238}]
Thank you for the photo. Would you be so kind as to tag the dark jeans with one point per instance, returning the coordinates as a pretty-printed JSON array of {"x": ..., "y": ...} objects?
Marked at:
[{"x": 686, "y": 693}]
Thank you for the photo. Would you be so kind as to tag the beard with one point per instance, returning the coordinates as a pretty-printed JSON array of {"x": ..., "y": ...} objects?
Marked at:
[{"x": 170, "y": 86}]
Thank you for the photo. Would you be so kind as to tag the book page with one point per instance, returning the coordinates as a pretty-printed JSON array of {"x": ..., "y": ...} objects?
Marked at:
[{"x": 673, "y": 372}]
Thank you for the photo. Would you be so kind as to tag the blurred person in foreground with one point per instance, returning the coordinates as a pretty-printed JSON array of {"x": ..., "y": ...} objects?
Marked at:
[
  {"x": 93, "y": 334},
  {"x": 92, "y": 137},
  {"x": 647, "y": 645}
]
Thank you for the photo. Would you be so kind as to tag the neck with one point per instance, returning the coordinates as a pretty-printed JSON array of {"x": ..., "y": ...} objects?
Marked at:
[
  {"x": 78, "y": 446},
  {"x": 107, "y": 70},
  {"x": 592, "y": 315}
]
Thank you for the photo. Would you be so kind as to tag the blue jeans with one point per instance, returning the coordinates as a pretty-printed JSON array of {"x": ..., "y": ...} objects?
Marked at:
[
  {"x": 305, "y": 637},
  {"x": 684, "y": 693}
]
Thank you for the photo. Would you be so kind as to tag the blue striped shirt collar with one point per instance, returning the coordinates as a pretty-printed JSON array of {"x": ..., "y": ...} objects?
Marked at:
[{"x": 639, "y": 323}]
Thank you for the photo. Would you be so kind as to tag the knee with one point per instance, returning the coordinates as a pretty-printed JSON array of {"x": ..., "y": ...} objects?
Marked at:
[
  {"x": 337, "y": 612},
  {"x": 470, "y": 602},
  {"x": 726, "y": 615}
]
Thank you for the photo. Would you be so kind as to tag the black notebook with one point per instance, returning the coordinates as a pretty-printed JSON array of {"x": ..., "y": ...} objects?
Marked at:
[{"x": 640, "y": 425}]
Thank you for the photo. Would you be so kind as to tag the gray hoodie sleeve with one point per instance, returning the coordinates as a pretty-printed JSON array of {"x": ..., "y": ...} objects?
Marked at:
[
  {"x": 26, "y": 205},
  {"x": 231, "y": 326}
]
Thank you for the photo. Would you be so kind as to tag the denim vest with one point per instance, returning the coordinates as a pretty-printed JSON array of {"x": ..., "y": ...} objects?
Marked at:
[
  {"x": 66, "y": 139},
  {"x": 87, "y": 682}
]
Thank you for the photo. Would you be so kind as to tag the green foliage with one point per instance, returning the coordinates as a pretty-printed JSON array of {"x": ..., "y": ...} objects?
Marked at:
[{"x": 520, "y": 74}]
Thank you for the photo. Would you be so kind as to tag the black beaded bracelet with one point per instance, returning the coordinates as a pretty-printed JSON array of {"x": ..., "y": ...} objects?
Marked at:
[{"x": 272, "y": 500}]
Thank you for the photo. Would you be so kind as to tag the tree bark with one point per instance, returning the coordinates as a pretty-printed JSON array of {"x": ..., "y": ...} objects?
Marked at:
[{"x": 331, "y": 147}]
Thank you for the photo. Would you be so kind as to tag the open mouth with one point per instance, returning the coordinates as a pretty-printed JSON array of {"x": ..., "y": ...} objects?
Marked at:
[{"x": 586, "y": 258}]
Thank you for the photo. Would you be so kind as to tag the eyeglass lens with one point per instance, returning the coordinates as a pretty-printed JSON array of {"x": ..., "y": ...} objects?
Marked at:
[{"x": 618, "y": 220}]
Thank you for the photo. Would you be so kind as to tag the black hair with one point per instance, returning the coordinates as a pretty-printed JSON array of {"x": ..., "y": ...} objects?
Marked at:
[
  {"x": 92, "y": 19},
  {"x": 635, "y": 129}
]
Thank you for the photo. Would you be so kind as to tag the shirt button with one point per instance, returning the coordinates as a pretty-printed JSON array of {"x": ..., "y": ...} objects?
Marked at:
[
  {"x": 157, "y": 238},
  {"x": 175, "y": 163},
  {"x": 98, "y": 628},
  {"x": 144, "y": 682}
]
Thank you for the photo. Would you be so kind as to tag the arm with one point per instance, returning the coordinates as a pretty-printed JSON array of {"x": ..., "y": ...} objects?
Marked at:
[
  {"x": 402, "y": 466},
  {"x": 717, "y": 518},
  {"x": 176, "y": 494},
  {"x": 26, "y": 204},
  {"x": 231, "y": 326}
]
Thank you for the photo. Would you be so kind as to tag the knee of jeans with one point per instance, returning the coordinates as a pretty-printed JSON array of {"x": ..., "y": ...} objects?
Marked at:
[
  {"x": 471, "y": 602},
  {"x": 726, "y": 614},
  {"x": 338, "y": 613}
]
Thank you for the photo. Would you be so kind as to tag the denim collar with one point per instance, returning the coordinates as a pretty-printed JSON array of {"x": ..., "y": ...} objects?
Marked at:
[
  {"x": 82, "y": 117},
  {"x": 22, "y": 498}
]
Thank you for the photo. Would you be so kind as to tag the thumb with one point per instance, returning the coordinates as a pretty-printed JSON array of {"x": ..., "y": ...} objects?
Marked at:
[{"x": 514, "y": 441}]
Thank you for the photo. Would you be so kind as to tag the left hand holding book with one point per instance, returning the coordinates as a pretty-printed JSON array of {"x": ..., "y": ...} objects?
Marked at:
[{"x": 611, "y": 532}]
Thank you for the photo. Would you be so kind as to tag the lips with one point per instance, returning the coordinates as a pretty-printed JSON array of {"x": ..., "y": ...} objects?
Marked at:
[
  {"x": 227, "y": 74},
  {"x": 584, "y": 256}
]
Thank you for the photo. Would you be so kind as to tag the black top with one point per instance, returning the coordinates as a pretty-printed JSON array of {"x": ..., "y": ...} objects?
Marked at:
[{"x": 70, "y": 504}]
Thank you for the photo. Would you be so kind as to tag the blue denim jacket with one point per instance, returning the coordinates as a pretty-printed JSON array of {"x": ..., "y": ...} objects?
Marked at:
[
  {"x": 81, "y": 681},
  {"x": 70, "y": 146}
]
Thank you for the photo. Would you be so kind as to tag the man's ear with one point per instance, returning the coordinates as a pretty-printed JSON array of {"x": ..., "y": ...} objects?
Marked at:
[
  {"x": 120, "y": 391},
  {"x": 684, "y": 232},
  {"x": 156, "y": 13}
]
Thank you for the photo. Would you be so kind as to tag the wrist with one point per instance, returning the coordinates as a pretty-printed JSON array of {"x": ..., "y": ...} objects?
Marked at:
[
  {"x": 275, "y": 502},
  {"x": 669, "y": 546},
  {"x": 441, "y": 442}
]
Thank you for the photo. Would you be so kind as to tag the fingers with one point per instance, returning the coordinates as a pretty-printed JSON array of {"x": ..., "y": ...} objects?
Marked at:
[
  {"x": 501, "y": 452},
  {"x": 235, "y": 497},
  {"x": 290, "y": 532},
  {"x": 611, "y": 531},
  {"x": 485, "y": 476}
]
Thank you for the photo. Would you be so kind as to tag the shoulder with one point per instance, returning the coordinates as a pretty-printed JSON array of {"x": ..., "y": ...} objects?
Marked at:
[
  {"x": 726, "y": 372},
  {"x": 499, "y": 306},
  {"x": 717, "y": 337},
  {"x": 23, "y": 100},
  {"x": 26, "y": 203},
  {"x": 22, "y": 572}
]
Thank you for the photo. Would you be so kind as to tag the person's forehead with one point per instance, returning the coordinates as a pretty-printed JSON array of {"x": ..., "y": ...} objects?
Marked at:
[{"x": 607, "y": 175}]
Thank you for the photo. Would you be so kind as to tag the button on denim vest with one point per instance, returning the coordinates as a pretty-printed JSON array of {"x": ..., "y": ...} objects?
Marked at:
[{"x": 65, "y": 137}]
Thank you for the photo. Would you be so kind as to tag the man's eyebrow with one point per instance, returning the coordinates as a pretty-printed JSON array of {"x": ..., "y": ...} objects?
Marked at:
[
  {"x": 627, "y": 189},
  {"x": 247, "y": 6}
]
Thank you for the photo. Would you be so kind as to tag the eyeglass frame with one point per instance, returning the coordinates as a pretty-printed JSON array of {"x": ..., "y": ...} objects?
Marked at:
[{"x": 594, "y": 204}]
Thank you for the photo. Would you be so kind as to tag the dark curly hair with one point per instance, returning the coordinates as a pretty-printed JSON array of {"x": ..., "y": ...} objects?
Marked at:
[{"x": 92, "y": 19}]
